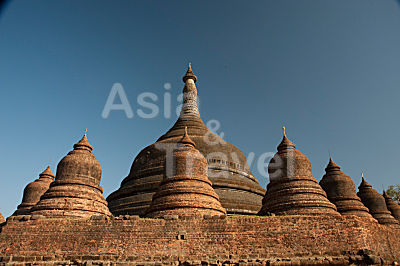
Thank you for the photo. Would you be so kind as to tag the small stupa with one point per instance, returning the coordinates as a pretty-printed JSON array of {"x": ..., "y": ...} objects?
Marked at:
[
  {"x": 341, "y": 191},
  {"x": 185, "y": 189},
  {"x": 375, "y": 202},
  {"x": 392, "y": 206},
  {"x": 292, "y": 189},
  {"x": 1, "y": 219},
  {"x": 76, "y": 191},
  {"x": 33, "y": 191}
]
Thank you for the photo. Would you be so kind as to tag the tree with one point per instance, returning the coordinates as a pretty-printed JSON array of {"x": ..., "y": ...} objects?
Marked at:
[{"x": 394, "y": 192}]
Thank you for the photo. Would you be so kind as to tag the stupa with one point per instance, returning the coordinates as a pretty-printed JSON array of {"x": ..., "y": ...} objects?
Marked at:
[
  {"x": 2, "y": 220},
  {"x": 375, "y": 202},
  {"x": 33, "y": 191},
  {"x": 76, "y": 191},
  {"x": 237, "y": 188},
  {"x": 341, "y": 191},
  {"x": 292, "y": 189},
  {"x": 186, "y": 189},
  {"x": 392, "y": 206}
]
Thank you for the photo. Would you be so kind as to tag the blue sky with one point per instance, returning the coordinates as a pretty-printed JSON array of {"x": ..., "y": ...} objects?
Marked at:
[{"x": 327, "y": 70}]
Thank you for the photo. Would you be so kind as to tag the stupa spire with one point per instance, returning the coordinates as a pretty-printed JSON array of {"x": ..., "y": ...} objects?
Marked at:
[
  {"x": 332, "y": 165},
  {"x": 189, "y": 74},
  {"x": 83, "y": 144},
  {"x": 285, "y": 143},
  {"x": 189, "y": 109},
  {"x": 186, "y": 139},
  {"x": 363, "y": 182},
  {"x": 47, "y": 173}
]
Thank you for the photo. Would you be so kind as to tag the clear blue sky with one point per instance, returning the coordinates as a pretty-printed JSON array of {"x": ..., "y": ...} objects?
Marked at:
[{"x": 327, "y": 70}]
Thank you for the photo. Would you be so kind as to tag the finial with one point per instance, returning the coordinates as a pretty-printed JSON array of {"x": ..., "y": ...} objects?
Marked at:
[
  {"x": 332, "y": 165},
  {"x": 47, "y": 172},
  {"x": 186, "y": 139},
  {"x": 363, "y": 182},
  {"x": 285, "y": 143},
  {"x": 83, "y": 143},
  {"x": 189, "y": 74}
]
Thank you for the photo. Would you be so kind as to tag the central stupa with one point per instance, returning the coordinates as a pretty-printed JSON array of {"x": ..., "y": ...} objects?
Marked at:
[{"x": 228, "y": 170}]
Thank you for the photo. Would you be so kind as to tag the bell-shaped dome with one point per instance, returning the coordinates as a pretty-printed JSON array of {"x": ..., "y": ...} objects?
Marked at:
[
  {"x": 76, "y": 191},
  {"x": 238, "y": 190},
  {"x": 185, "y": 190},
  {"x": 33, "y": 191},
  {"x": 392, "y": 206},
  {"x": 341, "y": 191},
  {"x": 292, "y": 189},
  {"x": 375, "y": 202}
]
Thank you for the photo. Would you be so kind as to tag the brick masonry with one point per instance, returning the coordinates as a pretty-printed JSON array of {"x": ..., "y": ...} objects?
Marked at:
[{"x": 208, "y": 240}]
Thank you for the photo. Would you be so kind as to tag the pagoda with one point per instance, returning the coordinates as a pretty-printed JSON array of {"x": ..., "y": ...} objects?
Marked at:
[
  {"x": 76, "y": 191},
  {"x": 228, "y": 170},
  {"x": 375, "y": 202},
  {"x": 33, "y": 191},
  {"x": 292, "y": 189},
  {"x": 186, "y": 189},
  {"x": 341, "y": 191}
]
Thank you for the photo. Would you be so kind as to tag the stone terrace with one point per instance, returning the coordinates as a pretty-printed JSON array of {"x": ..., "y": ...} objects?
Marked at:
[{"x": 196, "y": 240}]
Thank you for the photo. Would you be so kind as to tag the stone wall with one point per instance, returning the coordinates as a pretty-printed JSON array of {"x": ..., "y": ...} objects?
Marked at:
[{"x": 211, "y": 240}]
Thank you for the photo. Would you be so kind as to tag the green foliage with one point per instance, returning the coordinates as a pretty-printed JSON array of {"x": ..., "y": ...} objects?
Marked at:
[{"x": 394, "y": 192}]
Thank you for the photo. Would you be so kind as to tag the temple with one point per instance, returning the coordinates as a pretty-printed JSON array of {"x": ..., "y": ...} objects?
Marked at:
[
  {"x": 376, "y": 203},
  {"x": 76, "y": 191},
  {"x": 292, "y": 188},
  {"x": 33, "y": 191},
  {"x": 228, "y": 170},
  {"x": 191, "y": 199},
  {"x": 187, "y": 191},
  {"x": 392, "y": 206},
  {"x": 341, "y": 191}
]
